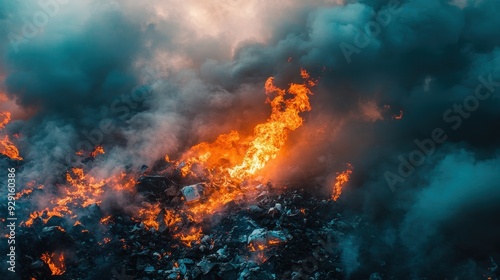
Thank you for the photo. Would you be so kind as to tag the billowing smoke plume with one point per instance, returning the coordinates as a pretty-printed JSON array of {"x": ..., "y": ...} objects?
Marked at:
[{"x": 407, "y": 94}]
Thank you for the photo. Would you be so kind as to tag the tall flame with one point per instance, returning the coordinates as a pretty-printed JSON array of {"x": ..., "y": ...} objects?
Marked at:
[
  {"x": 242, "y": 159},
  {"x": 270, "y": 137},
  {"x": 231, "y": 159}
]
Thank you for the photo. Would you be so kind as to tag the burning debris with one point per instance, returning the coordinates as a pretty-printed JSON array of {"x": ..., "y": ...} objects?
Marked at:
[
  {"x": 7, "y": 147},
  {"x": 55, "y": 261},
  {"x": 246, "y": 240},
  {"x": 227, "y": 225},
  {"x": 150, "y": 142},
  {"x": 341, "y": 179}
]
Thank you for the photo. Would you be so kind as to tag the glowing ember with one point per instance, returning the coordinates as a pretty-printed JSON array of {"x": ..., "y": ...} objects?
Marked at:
[
  {"x": 171, "y": 219},
  {"x": 81, "y": 190},
  {"x": 400, "y": 116},
  {"x": 55, "y": 261},
  {"x": 252, "y": 247},
  {"x": 82, "y": 187},
  {"x": 105, "y": 219},
  {"x": 193, "y": 235},
  {"x": 46, "y": 214},
  {"x": 99, "y": 150},
  {"x": 340, "y": 181},
  {"x": 9, "y": 149},
  {"x": 149, "y": 216}
]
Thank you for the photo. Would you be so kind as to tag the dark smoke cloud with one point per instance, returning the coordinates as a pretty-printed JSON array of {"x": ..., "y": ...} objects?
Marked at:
[{"x": 208, "y": 77}]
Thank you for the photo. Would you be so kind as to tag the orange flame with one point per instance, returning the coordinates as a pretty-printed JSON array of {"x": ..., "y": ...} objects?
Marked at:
[
  {"x": 193, "y": 235},
  {"x": 340, "y": 181},
  {"x": 46, "y": 214},
  {"x": 82, "y": 187},
  {"x": 232, "y": 159},
  {"x": 4, "y": 119},
  {"x": 6, "y": 146},
  {"x": 270, "y": 136},
  {"x": 99, "y": 150},
  {"x": 105, "y": 219},
  {"x": 55, "y": 261},
  {"x": 81, "y": 190},
  {"x": 171, "y": 219},
  {"x": 149, "y": 216},
  {"x": 9, "y": 149}
]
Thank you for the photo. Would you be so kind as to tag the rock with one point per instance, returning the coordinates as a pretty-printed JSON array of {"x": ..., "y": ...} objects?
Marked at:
[
  {"x": 193, "y": 193},
  {"x": 36, "y": 264},
  {"x": 258, "y": 236},
  {"x": 205, "y": 266}
]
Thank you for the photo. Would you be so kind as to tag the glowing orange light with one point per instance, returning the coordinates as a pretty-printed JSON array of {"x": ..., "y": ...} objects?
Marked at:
[
  {"x": 55, "y": 261},
  {"x": 400, "y": 116},
  {"x": 340, "y": 181},
  {"x": 232, "y": 159},
  {"x": 99, "y": 150}
]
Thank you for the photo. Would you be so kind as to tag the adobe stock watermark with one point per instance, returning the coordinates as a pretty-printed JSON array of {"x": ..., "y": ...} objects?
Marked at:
[
  {"x": 32, "y": 26},
  {"x": 372, "y": 29},
  {"x": 453, "y": 116}
]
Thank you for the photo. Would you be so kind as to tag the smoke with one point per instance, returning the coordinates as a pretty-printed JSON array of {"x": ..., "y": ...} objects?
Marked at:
[{"x": 150, "y": 79}]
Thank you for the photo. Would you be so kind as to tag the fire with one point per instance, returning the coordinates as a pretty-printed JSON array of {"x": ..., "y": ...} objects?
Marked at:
[
  {"x": 46, "y": 214},
  {"x": 226, "y": 165},
  {"x": 340, "y": 181},
  {"x": 232, "y": 159},
  {"x": 82, "y": 187},
  {"x": 6, "y": 146},
  {"x": 149, "y": 216},
  {"x": 256, "y": 247},
  {"x": 99, "y": 150},
  {"x": 171, "y": 218},
  {"x": 9, "y": 149},
  {"x": 80, "y": 190},
  {"x": 270, "y": 137},
  {"x": 105, "y": 219},
  {"x": 193, "y": 235},
  {"x": 210, "y": 155},
  {"x": 4, "y": 119},
  {"x": 55, "y": 261}
]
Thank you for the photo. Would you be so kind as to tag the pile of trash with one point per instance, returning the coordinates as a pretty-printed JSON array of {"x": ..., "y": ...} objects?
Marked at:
[{"x": 285, "y": 234}]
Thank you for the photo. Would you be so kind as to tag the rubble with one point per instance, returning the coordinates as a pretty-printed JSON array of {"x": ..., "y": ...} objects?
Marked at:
[
  {"x": 156, "y": 188},
  {"x": 193, "y": 193},
  {"x": 268, "y": 237}
]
